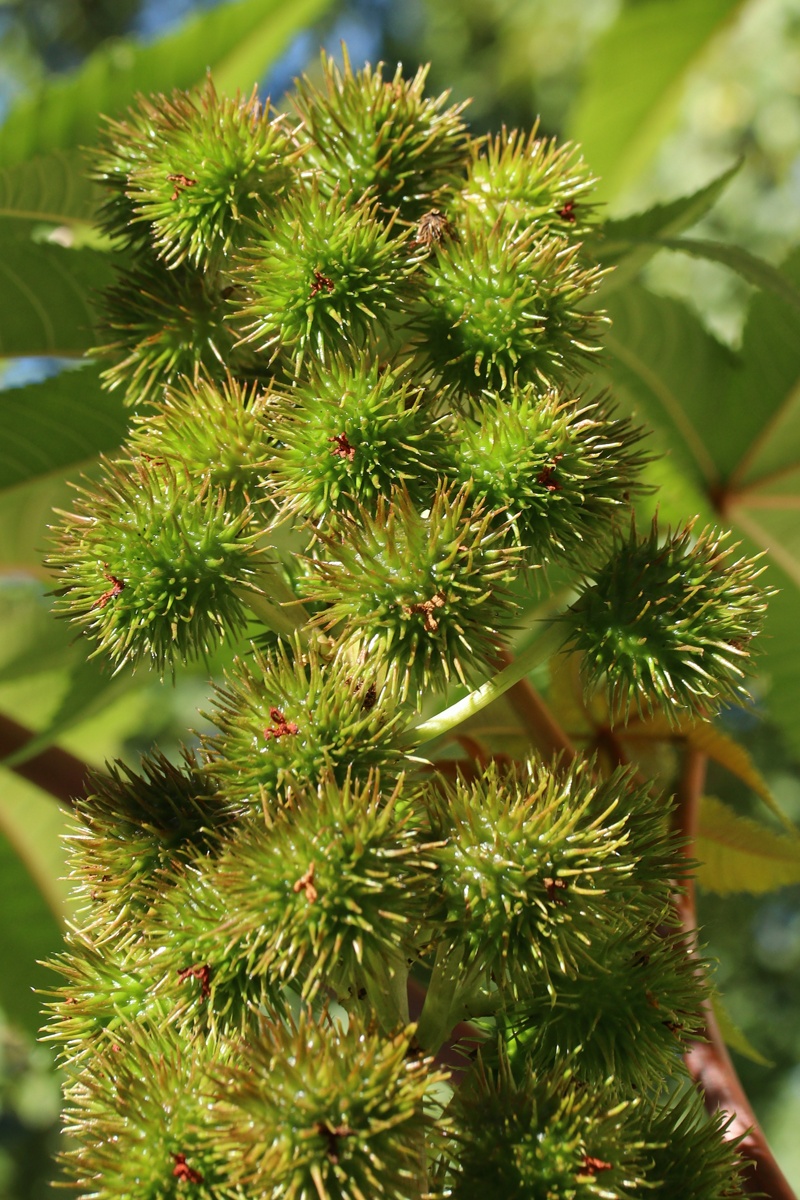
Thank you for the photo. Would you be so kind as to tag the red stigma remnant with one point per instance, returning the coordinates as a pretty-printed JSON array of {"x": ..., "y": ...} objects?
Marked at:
[
  {"x": 306, "y": 884},
  {"x": 332, "y": 1136},
  {"x": 281, "y": 726},
  {"x": 342, "y": 449},
  {"x": 117, "y": 586},
  {"x": 321, "y": 283},
  {"x": 591, "y": 1165},
  {"x": 567, "y": 213},
  {"x": 427, "y": 607},
  {"x": 180, "y": 181},
  {"x": 182, "y": 1170},
  {"x": 203, "y": 973},
  {"x": 545, "y": 477}
]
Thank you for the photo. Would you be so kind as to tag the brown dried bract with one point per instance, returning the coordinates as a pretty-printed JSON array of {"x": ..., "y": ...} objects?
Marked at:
[
  {"x": 432, "y": 229},
  {"x": 428, "y": 607},
  {"x": 306, "y": 884},
  {"x": 281, "y": 727}
]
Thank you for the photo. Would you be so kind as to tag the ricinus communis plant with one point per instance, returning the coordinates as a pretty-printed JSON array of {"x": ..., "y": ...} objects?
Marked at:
[{"x": 318, "y": 958}]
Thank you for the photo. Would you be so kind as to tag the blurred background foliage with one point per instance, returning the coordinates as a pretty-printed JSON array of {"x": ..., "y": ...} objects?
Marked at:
[{"x": 732, "y": 91}]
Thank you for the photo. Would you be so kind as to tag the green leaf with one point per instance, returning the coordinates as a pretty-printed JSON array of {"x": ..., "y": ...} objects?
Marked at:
[
  {"x": 51, "y": 189},
  {"x": 664, "y": 365},
  {"x": 739, "y": 855},
  {"x": 31, "y": 900},
  {"x": 48, "y": 298},
  {"x": 708, "y": 738},
  {"x": 634, "y": 82},
  {"x": 734, "y": 1036},
  {"x": 62, "y": 423},
  {"x": 628, "y": 243},
  {"x": 239, "y": 41}
]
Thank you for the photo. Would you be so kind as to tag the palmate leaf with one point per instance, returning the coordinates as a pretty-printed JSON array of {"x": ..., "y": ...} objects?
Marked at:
[
  {"x": 237, "y": 42},
  {"x": 739, "y": 855},
  {"x": 50, "y": 189},
  {"x": 628, "y": 243},
  {"x": 731, "y": 422},
  {"x": 49, "y": 298},
  {"x": 62, "y": 423},
  {"x": 634, "y": 82},
  {"x": 33, "y": 891}
]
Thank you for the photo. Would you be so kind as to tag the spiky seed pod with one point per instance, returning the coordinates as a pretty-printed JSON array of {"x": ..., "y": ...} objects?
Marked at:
[
  {"x": 543, "y": 1137},
  {"x": 316, "y": 1111},
  {"x": 423, "y": 592},
  {"x": 133, "y": 831},
  {"x": 199, "y": 970},
  {"x": 628, "y": 1014},
  {"x": 558, "y": 468},
  {"x": 352, "y": 432},
  {"x": 161, "y": 326},
  {"x": 534, "y": 867},
  {"x": 153, "y": 572},
  {"x": 531, "y": 182},
  {"x": 382, "y": 136},
  {"x": 499, "y": 306},
  {"x": 144, "y": 1119},
  {"x": 323, "y": 272},
  {"x": 666, "y": 622},
  {"x": 293, "y": 718},
  {"x": 219, "y": 431},
  {"x": 333, "y": 889},
  {"x": 107, "y": 989},
  {"x": 689, "y": 1153},
  {"x": 195, "y": 170}
]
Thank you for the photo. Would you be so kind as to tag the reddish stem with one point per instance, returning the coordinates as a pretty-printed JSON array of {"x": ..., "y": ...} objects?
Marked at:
[
  {"x": 708, "y": 1060},
  {"x": 53, "y": 770}
]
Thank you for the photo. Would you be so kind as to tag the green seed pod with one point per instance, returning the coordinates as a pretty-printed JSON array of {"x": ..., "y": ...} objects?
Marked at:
[
  {"x": 107, "y": 990},
  {"x": 690, "y": 1155},
  {"x": 144, "y": 1119},
  {"x": 666, "y": 622},
  {"x": 543, "y": 1137},
  {"x": 530, "y": 182},
  {"x": 352, "y": 432},
  {"x": 194, "y": 171},
  {"x": 162, "y": 326},
  {"x": 423, "y": 592},
  {"x": 133, "y": 832},
  {"x": 292, "y": 719},
  {"x": 324, "y": 272},
  {"x": 316, "y": 1111},
  {"x": 535, "y": 867},
  {"x": 154, "y": 571},
  {"x": 557, "y": 468},
  {"x": 336, "y": 885},
  {"x": 219, "y": 431},
  {"x": 381, "y": 136},
  {"x": 628, "y": 1014},
  {"x": 498, "y": 307}
]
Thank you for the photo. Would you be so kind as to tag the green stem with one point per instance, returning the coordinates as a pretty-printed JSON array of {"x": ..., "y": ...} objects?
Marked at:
[
  {"x": 543, "y": 648},
  {"x": 275, "y": 605}
]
